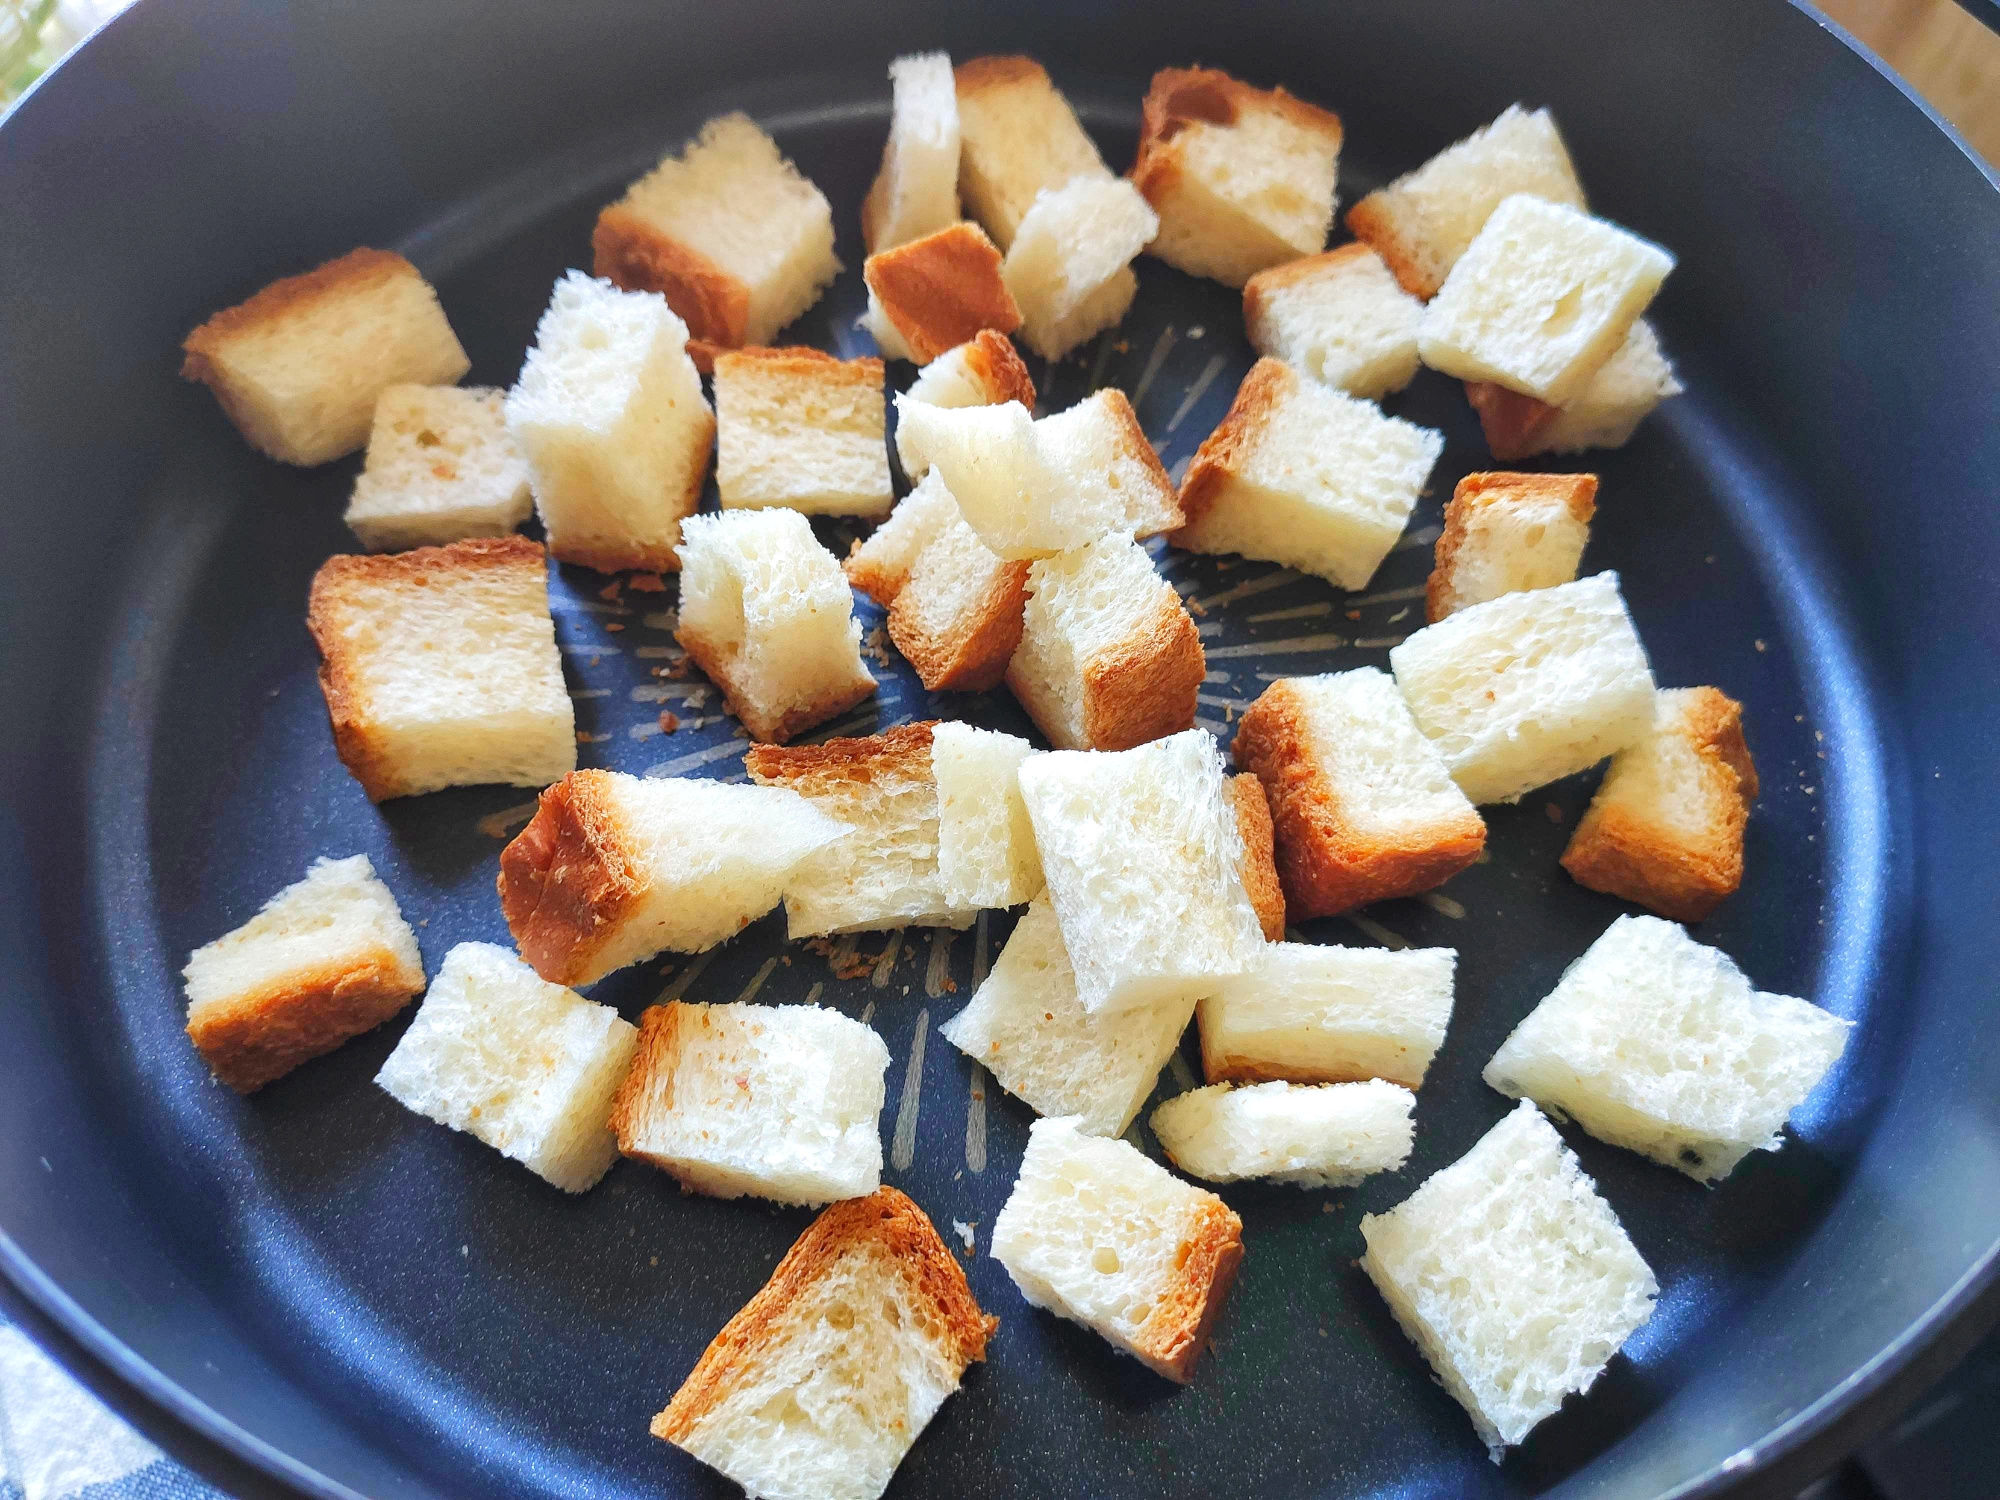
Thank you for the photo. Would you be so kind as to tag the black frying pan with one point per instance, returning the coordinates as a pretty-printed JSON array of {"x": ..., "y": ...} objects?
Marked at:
[{"x": 318, "y": 1288}]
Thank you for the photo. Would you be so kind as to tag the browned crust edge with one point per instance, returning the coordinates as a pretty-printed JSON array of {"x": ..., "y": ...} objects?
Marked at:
[
  {"x": 1259, "y": 868},
  {"x": 649, "y": 1082},
  {"x": 800, "y": 362},
  {"x": 1172, "y": 1340},
  {"x": 1227, "y": 449},
  {"x": 249, "y": 1040},
  {"x": 713, "y": 659},
  {"x": 1144, "y": 687},
  {"x": 942, "y": 289},
  {"x": 569, "y": 879},
  {"x": 1514, "y": 424},
  {"x": 351, "y": 272},
  {"x": 906, "y": 749},
  {"x": 1000, "y": 368},
  {"x": 1180, "y": 97},
  {"x": 978, "y": 73},
  {"x": 1130, "y": 441},
  {"x": 1373, "y": 222},
  {"x": 972, "y": 655},
  {"x": 630, "y": 252},
  {"x": 1273, "y": 280},
  {"x": 1496, "y": 487}
]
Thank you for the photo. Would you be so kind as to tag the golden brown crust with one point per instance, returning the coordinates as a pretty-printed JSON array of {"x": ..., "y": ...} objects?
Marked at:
[
  {"x": 1227, "y": 449},
  {"x": 649, "y": 1083},
  {"x": 1143, "y": 688},
  {"x": 1129, "y": 440},
  {"x": 713, "y": 657},
  {"x": 1373, "y": 222},
  {"x": 1172, "y": 1339},
  {"x": 1514, "y": 424},
  {"x": 970, "y": 656},
  {"x": 1260, "y": 288},
  {"x": 1000, "y": 368},
  {"x": 879, "y": 580},
  {"x": 1475, "y": 493},
  {"x": 798, "y": 362},
  {"x": 249, "y": 1040},
  {"x": 904, "y": 751},
  {"x": 569, "y": 879},
  {"x": 349, "y": 273},
  {"x": 980, "y": 73},
  {"x": 1180, "y": 97},
  {"x": 633, "y": 253},
  {"x": 1260, "y": 870},
  {"x": 942, "y": 289}
]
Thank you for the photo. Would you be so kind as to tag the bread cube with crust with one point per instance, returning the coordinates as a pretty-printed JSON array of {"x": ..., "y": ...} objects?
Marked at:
[
  {"x": 985, "y": 370},
  {"x": 880, "y": 563},
  {"x": 1605, "y": 415},
  {"x": 801, "y": 429},
  {"x": 1326, "y": 1135},
  {"x": 1506, "y": 533},
  {"x": 1260, "y": 871},
  {"x": 916, "y": 191},
  {"x": 1018, "y": 135},
  {"x": 441, "y": 467},
  {"x": 1069, "y": 265},
  {"x": 1339, "y": 318},
  {"x": 986, "y": 845},
  {"x": 934, "y": 293}
]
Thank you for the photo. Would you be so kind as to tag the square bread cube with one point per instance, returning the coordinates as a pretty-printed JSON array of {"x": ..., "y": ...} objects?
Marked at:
[
  {"x": 441, "y": 467},
  {"x": 526, "y": 1066},
  {"x": 820, "y": 1385},
  {"x": 1310, "y": 1014},
  {"x": 766, "y": 613},
  {"x": 613, "y": 869},
  {"x": 1325, "y": 1135},
  {"x": 440, "y": 667},
  {"x": 985, "y": 370},
  {"x": 1018, "y": 135},
  {"x": 1069, "y": 265},
  {"x": 732, "y": 235},
  {"x": 916, "y": 191},
  {"x": 957, "y": 618},
  {"x": 932, "y": 294},
  {"x": 1605, "y": 415},
  {"x": 880, "y": 564},
  {"x": 1339, "y": 318},
  {"x": 1098, "y": 1234},
  {"x": 609, "y": 412},
  {"x": 1363, "y": 807},
  {"x": 299, "y": 366},
  {"x": 1260, "y": 871},
  {"x": 1512, "y": 1275},
  {"x": 1529, "y": 688},
  {"x": 1506, "y": 533},
  {"x": 986, "y": 845},
  {"x": 326, "y": 959},
  {"x": 1540, "y": 300},
  {"x": 1242, "y": 178},
  {"x": 1306, "y": 476},
  {"x": 801, "y": 429}
]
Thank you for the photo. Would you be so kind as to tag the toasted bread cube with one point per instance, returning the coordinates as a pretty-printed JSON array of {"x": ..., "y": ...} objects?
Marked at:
[
  {"x": 299, "y": 366},
  {"x": 1363, "y": 807},
  {"x": 613, "y": 869},
  {"x": 933, "y": 294},
  {"x": 985, "y": 370},
  {"x": 880, "y": 564},
  {"x": 440, "y": 667},
  {"x": 958, "y": 616},
  {"x": 1529, "y": 688},
  {"x": 326, "y": 959},
  {"x": 820, "y": 1385},
  {"x": 1512, "y": 1275},
  {"x": 1303, "y": 475},
  {"x": 1311, "y": 1014},
  {"x": 609, "y": 411},
  {"x": 738, "y": 242},
  {"x": 1339, "y": 318},
  {"x": 1540, "y": 300},
  {"x": 766, "y": 613},
  {"x": 1666, "y": 826},
  {"x": 1242, "y": 178},
  {"x": 1422, "y": 222},
  {"x": 801, "y": 429},
  {"x": 1326, "y": 1135},
  {"x": 1096, "y": 1233},
  {"x": 986, "y": 845},
  {"x": 1144, "y": 863},
  {"x": 441, "y": 467},
  {"x": 1507, "y": 533},
  {"x": 1069, "y": 266},
  {"x": 526, "y": 1066},
  {"x": 1018, "y": 136},
  {"x": 1619, "y": 397},
  {"x": 916, "y": 191},
  {"x": 1260, "y": 869}
]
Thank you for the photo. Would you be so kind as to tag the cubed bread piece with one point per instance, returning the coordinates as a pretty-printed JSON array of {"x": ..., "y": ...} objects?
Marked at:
[
  {"x": 985, "y": 370},
  {"x": 440, "y": 667},
  {"x": 1421, "y": 223},
  {"x": 1541, "y": 300},
  {"x": 1242, "y": 178},
  {"x": 1363, "y": 807},
  {"x": 614, "y": 868},
  {"x": 1025, "y": 1025},
  {"x": 1666, "y": 826},
  {"x": 916, "y": 191},
  {"x": 1306, "y": 476},
  {"x": 986, "y": 845},
  {"x": 1528, "y": 688},
  {"x": 767, "y": 614},
  {"x": 885, "y": 873},
  {"x": 1315, "y": 1014},
  {"x": 1143, "y": 860},
  {"x": 958, "y": 617},
  {"x": 1109, "y": 657},
  {"x": 299, "y": 366},
  {"x": 1096, "y": 1233},
  {"x": 777, "y": 1101},
  {"x": 1506, "y": 533},
  {"x": 1018, "y": 135},
  {"x": 326, "y": 959},
  {"x": 1512, "y": 1275},
  {"x": 1657, "y": 1043},
  {"x": 728, "y": 231},
  {"x": 441, "y": 467},
  {"x": 1619, "y": 397},
  {"x": 526, "y": 1066},
  {"x": 1339, "y": 318},
  {"x": 880, "y": 564},
  {"x": 1069, "y": 266},
  {"x": 1260, "y": 869},
  {"x": 1326, "y": 1135},
  {"x": 934, "y": 293},
  {"x": 609, "y": 412},
  {"x": 820, "y": 1385},
  {"x": 800, "y": 429}
]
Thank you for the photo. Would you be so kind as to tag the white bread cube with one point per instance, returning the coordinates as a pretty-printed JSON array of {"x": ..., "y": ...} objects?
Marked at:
[
  {"x": 1306, "y": 476},
  {"x": 1666, "y": 826},
  {"x": 1069, "y": 265},
  {"x": 1619, "y": 397},
  {"x": 1096, "y": 1233},
  {"x": 1528, "y": 688},
  {"x": 766, "y": 613},
  {"x": 1339, "y": 318},
  {"x": 325, "y": 959},
  {"x": 1657, "y": 1043},
  {"x": 880, "y": 563},
  {"x": 1143, "y": 860},
  {"x": 526, "y": 1066},
  {"x": 1018, "y": 135},
  {"x": 820, "y": 1385},
  {"x": 801, "y": 429},
  {"x": 1327, "y": 1135},
  {"x": 1109, "y": 657},
  {"x": 933, "y": 294},
  {"x": 613, "y": 869},
  {"x": 985, "y": 370},
  {"x": 1242, "y": 178},
  {"x": 441, "y": 467},
  {"x": 915, "y": 192},
  {"x": 738, "y": 242},
  {"x": 986, "y": 845},
  {"x": 1311, "y": 1014},
  {"x": 957, "y": 616},
  {"x": 298, "y": 367},
  {"x": 775, "y": 1101},
  {"x": 609, "y": 412},
  {"x": 1422, "y": 222},
  {"x": 1506, "y": 533},
  {"x": 440, "y": 667},
  {"x": 1541, "y": 300}
]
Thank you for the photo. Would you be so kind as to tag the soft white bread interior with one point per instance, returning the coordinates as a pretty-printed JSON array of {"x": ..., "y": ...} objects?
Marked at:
[
  {"x": 1325, "y": 1135},
  {"x": 957, "y": 618},
  {"x": 1619, "y": 397},
  {"x": 933, "y": 294},
  {"x": 985, "y": 370},
  {"x": 880, "y": 563},
  {"x": 1018, "y": 136},
  {"x": 986, "y": 845},
  {"x": 1505, "y": 533},
  {"x": 441, "y": 467},
  {"x": 1069, "y": 265},
  {"x": 1340, "y": 318},
  {"x": 916, "y": 191},
  {"x": 801, "y": 429}
]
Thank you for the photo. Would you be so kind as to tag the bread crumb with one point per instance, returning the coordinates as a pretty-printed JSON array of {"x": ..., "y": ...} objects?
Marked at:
[
  {"x": 1555, "y": 813},
  {"x": 465, "y": 1250},
  {"x": 669, "y": 721},
  {"x": 646, "y": 583},
  {"x": 614, "y": 626},
  {"x": 1760, "y": 645},
  {"x": 609, "y": 593},
  {"x": 1194, "y": 607},
  {"x": 964, "y": 1232},
  {"x": 585, "y": 737},
  {"x": 1354, "y": 614},
  {"x": 1197, "y": 332}
]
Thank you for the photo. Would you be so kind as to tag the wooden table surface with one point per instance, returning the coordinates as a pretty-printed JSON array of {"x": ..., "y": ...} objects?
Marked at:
[{"x": 1948, "y": 57}]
